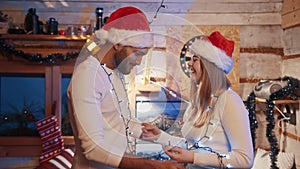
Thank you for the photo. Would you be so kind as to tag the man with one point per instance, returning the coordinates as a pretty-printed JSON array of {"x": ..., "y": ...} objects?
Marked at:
[{"x": 98, "y": 104}]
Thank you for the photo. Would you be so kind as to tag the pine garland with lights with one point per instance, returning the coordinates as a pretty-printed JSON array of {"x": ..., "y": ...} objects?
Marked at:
[
  {"x": 250, "y": 105},
  {"x": 36, "y": 57}
]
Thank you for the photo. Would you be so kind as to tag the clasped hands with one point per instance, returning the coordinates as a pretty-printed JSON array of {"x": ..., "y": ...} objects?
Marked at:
[{"x": 152, "y": 133}]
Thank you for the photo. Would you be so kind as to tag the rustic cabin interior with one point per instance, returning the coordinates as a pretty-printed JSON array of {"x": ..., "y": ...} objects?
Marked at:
[{"x": 37, "y": 59}]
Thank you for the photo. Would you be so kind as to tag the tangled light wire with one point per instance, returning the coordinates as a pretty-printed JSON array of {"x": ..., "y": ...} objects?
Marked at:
[
  {"x": 172, "y": 93},
  {"x": 162, "y": 5}
]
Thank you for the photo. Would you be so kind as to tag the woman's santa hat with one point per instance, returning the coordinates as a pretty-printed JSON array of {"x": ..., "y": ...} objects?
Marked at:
[
  {"x": 127, "y": 26},
  {"x": 214, "y": 48}
]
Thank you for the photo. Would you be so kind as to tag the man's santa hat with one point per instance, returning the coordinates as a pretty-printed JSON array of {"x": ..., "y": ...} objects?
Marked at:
[
  {"x": 127, "y": 26},
  {"x": 214, "y": 48}
]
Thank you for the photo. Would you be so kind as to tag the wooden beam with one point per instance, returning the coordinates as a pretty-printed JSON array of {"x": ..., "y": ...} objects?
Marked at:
[
  {"x": 21, "y": 67},
  {"x": 238, "y": 12},
  {"x": 291, "y": 19},
  {"x": 46, "y": 37},
  {"x": 290, "y": 13},
  {"x": 291, "y": 57},
  {"x": 58, "y": 2},
  {"x": 219, "y": 19},
  {"x": 150, "y": 7},
  {"x": 26, "y": 146},
  {"x": 289, "y": 6},
  {"x": 276, "y": 51},
  {"x": 164, "y": 19}
]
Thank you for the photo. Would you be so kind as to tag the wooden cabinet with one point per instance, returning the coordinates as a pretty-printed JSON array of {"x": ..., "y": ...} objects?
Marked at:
[{"x": 12, "y": 65}]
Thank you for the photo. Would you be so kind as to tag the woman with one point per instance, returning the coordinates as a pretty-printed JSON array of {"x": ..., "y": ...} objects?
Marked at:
[{"x": 216, "y": 126}]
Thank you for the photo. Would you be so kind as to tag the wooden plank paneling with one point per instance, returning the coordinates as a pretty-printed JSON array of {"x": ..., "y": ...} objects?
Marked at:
[
  {"x": 290, "y": 6},
  {"x": 227, "y": 7},
  {"x": 180, "y": 7},
  {"x": 290, "y": 13},
  {"x": 67, "y": 2},
  {"x": 260, "y": 65},
  {"x": 290, "y": 66},
  {"x": 291, "y": 19},
  {"x": 291, "y": 41},
  {"x": 219, "y": 19},
  {"x": 67, "y": 19},
  {"x": 252, "y": 12},
  {"x": 260, "y": 36}
]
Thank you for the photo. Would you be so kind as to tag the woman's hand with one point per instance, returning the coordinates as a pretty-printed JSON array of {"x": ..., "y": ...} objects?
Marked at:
[
  {"x": 150, "y": 132},
  {"x": 179, "y": 154}
]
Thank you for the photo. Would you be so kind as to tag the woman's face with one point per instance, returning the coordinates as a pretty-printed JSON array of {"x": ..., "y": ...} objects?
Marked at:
[{"x": 195, "y": 69}]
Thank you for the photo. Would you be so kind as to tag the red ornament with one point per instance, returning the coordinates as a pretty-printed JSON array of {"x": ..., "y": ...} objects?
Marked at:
[
  {"x": 31, "y": 117},
  {"x": 62, "y": 32}
]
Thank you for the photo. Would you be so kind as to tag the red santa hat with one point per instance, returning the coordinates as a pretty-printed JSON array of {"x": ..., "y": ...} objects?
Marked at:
[
  {"x": 127, "y": 26},
  {"x": 216, "y": 49}
]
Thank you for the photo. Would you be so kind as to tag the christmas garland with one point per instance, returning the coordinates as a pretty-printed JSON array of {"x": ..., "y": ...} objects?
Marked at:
[
  {"x": 287, "y": 91},
  {"x": 250, "y": 105},
  {"x": 37, "y": 58}
]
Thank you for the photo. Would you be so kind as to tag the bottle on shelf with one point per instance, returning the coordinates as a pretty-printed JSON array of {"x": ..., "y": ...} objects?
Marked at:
[
  {"x": 52, "y": 26},
  {"x": 99, "y": 18},
  {"x": 32, "y": 22}
]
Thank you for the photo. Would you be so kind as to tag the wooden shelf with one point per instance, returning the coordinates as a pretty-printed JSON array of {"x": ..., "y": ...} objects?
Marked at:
[
  {"x": 21, "y": 67},
  {"x": 30, "y": 147},
  {"x": 279, "y": 101},
  {"x": 44, "y": 44},
  {"x": 45, "y": 37}
]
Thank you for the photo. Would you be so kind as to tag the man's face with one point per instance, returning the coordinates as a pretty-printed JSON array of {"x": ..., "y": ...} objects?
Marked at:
[{"x": 128, "y": 57}]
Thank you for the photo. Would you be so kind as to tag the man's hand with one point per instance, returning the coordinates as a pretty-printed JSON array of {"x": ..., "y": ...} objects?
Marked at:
[{"x": 150, "y": 132}]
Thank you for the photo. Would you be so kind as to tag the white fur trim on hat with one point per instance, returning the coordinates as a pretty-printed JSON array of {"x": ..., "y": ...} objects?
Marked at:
[
  {"x": 211, "y": 53},
  {"x": 134, "y": 38}
]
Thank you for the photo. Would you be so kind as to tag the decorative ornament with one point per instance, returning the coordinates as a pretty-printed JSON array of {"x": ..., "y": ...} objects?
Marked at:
[{"x": 287, "y": 91}]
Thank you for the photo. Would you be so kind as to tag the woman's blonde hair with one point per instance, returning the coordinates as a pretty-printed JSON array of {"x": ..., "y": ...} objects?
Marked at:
[{"x": 213, "y": 82}]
